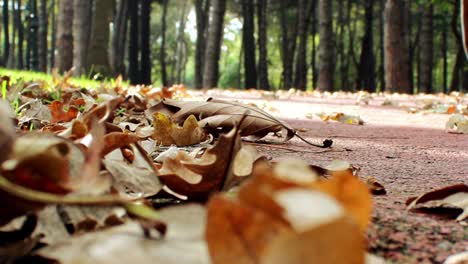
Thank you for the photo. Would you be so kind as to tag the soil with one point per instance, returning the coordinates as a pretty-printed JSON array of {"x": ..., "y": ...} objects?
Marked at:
[{"x": 409, "y": 154}]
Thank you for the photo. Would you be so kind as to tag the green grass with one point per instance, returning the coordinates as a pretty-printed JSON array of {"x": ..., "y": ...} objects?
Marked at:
[{"x": 28, "y": 76}]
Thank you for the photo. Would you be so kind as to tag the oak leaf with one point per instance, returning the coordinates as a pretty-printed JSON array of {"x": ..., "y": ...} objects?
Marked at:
[{"x": 167, "y": 133}]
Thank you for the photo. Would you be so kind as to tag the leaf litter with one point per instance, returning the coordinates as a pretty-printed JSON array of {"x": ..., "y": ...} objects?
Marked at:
[{"x": 86, "y": 165}]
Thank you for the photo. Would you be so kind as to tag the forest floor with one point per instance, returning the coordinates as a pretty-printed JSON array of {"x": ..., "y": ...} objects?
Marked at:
[{"x": 409, "y": 153}]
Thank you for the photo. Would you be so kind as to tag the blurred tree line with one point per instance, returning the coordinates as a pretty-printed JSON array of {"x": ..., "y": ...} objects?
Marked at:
[{"x": 375, "y": 45}]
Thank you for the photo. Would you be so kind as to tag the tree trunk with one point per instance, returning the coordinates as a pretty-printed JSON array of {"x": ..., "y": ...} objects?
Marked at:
[
  {"x": 145, "y": 63},
  {"x": 19, "y": 44},
  {"x": 82, "y": 33},
  {"x": 248, "y": 41},
  {"x": 444, "y": 55},
  {"x": 53, "y": 42},
  {"x": 181, "y": 57},
  {"x": 427, "y": 49},
  {"x": 366, "y": 72},
  {"x": 6, "y": 33},
  {"x": 98, "y": 55},
  {"x": 464, "y": 22},
  {"x": 162, "y": 49},
  {"x": 64, "y": 58},
  {"x": 305, "y": 9},
  {"x": 33, "y": 26},
  {"x": 263, "y": 82},
  {"x": 382, "y": 46},
  {"x": 133, "y": 49},
  {"x": 201, "y": 11},
  {"x": 288, "y": 44},
  {"x": 313, "y": 63},
  {"x": 43, "y": 29},
  {"x": 213, "y": 43},
  {"x": 396, "y": 47},
  {"x": 326, "y": 47},
  {"x": 119, "y": 37}
]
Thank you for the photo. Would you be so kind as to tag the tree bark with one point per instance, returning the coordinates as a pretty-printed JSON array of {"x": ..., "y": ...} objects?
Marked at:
[
  {"x": 133, "y": 47},
  {"x": 33, "y": 26},
  {"x": 6, "y": 33},
  {"x": 464, "y": 22},
  {"x": 326, "y": 47},
  {"x": 145, "y": 63},
  {"x": 427, "y": 49},
  {"x": 304, "y": 12},
  {"x": 119, "y": 37},
  {"x": 181, "y": 45},
  {"x": 366, "y": 72},
  {"x": 98, "y": 55},
  {"x": 248, "y": 41},
  {"x": 19, "y": 44},
  {"x": 382, "y": 46},
  {"x": 263, "y": 82},
  {"x": 213, "y": 43},
  {"x": 288, "y": 44},
  {"x": 313, "y": 63},
  {"x": 82, "y": 34},
  {"x": 396, "y": 47},
  {"x": 201, "y": 11},
  {"x": 64, "y": 58},
  {"x": 43, "y": 29},
  {"x": 162, "y": 49}
]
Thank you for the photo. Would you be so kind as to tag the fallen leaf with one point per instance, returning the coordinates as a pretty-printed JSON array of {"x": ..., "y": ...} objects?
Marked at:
[
  {"x": 454, "y": 196},
  {"x": 59, "y": 114},
  {"x": 458, "y": 124},
  {"x": 375, "y": 187},
  {"x": 460, "y": 258},
  {"x": 7, "y": 130},
  {"x": 342, "y": 118},
  {"x": 198, "y": 177},
  {"x": 214, "y": 114},
  {"x": 167, "y": 133}
]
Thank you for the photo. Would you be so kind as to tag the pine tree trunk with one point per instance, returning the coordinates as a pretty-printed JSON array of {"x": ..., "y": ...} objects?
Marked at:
[
  {"x": 98, "y": 55},
  {"x": 33, "y": 26},
  {"x": 6, "y": 33},
  {"x": 53, "y": 45},
  {"x": 248, "y": 41},
  {"x": 119, "y": 37},
  {"x": 19, "y": 44},
  {"x": 213, "y": 43},
  {"x": 326, "y": 47},
  {"x": 262, "y": 7},
  {"x": 445, "y": 57},
  {"x": 145, "y": 63},
  {"x": 82, "y": 33},
  {"x": 313, "y": 55},
  {"x": 464, "y": 22},
  {"x": 305, "y": 9},
  {"x": 162, "y": 49},
  {"x": 366, "y": 72},
  {"x": 43, "y": 29},
  {"x": 397, "y": 62},
  {"x": 427, "y": 49},
  {"x": 133, "y": 47},
  {"x": 382, "y": 46},
  {"x": 64, "y": 58},
  {"x": 181, "y": 57},
  {"x": 201, "y": 11},
  {"x": 288, "y": 45}
]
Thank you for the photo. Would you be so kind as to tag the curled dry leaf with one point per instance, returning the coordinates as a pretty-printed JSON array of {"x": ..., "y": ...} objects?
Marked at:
[
  {"x": 198, "y": 177},
  {"x": 455, "y": 196},
  {"x": 214, "y": 114},
  {"x": 375, "y": 187},
  {"x": 167, "y": 133},
  {"x": 458, "y": 123}
]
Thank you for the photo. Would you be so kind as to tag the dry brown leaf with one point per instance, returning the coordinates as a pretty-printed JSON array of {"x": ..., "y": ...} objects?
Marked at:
[
  {"x": 375, "y": 187},
  {"x": 198, "y": 177},
  {"x": 214, "y": 114},
  {"x": 59, "y": 114},
  {"x": 7, "y": 130},
  {"x": 115, "y": 140},
  {"x": 454, "y": 196},
  {"x": 167, "y": 133}
]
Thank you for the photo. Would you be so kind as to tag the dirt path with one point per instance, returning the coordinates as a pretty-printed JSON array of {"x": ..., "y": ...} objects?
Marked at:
[{"x": 409, "y": 154}]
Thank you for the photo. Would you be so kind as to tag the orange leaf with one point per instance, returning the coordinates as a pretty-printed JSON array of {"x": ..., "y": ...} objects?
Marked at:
[{"x": 60, "y": 115}]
